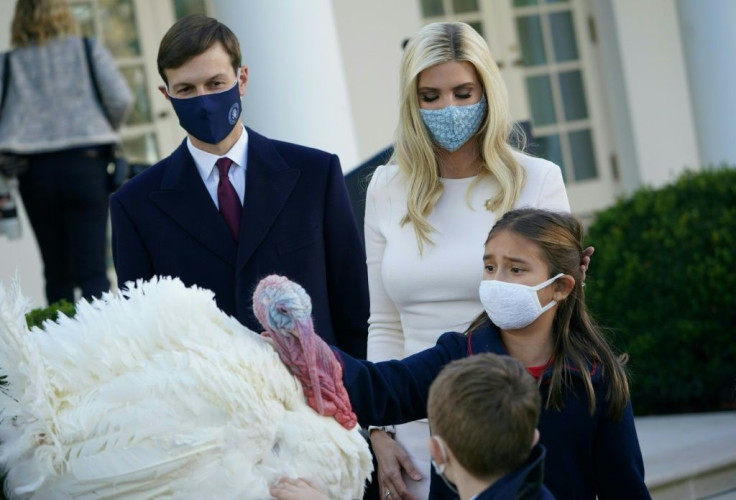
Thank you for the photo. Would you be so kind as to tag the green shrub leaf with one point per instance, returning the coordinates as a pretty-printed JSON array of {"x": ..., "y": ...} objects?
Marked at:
[{"x": 663, "y": 277}]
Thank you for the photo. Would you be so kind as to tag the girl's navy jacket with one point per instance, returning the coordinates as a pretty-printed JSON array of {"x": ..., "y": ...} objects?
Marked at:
[{"x": 587, "y": 455}]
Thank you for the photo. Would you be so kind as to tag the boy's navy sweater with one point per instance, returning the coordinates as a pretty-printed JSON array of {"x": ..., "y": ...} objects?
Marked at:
[{"x": 587, "y": 455}]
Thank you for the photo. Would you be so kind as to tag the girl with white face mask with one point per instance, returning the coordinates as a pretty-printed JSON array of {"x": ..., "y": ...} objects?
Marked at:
[
  {"x": 534, "y": 311},
  {"x": 427, "y": 213}
]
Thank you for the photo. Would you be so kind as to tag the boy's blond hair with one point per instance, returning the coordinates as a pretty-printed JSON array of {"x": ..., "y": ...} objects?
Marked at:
[{"x": 486, "y": 408}]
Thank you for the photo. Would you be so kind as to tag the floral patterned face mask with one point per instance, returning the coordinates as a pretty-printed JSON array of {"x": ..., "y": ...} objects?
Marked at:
[{"x": 451, "y": 127}]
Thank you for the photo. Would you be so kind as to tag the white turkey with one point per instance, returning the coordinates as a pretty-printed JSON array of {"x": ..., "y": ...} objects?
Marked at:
[{"x": 159, "y": 394}]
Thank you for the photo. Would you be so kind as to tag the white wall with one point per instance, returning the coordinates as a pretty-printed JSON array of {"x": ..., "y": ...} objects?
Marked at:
[
  {"x": 656, "y": 86},
  {"x": 20, "y": 257},
  {"x": 709, "y": 41},
  {"x": 297, "y": 89},
  {"x": 370, "y": 37}
]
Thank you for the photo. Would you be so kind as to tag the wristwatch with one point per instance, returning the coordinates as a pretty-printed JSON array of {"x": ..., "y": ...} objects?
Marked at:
[{"x": 388, "y": 429}]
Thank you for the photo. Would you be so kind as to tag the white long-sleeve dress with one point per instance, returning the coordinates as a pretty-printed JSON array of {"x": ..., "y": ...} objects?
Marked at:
[{"x": 415, "y": 298}]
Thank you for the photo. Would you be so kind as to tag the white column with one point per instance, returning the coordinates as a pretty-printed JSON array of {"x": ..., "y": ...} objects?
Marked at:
[
  {"x": 297, "y": 89},
  {"x": 709, "y": 42},
  {"x": 370, "y": 36},
  {"x": 656, "y": 90}
]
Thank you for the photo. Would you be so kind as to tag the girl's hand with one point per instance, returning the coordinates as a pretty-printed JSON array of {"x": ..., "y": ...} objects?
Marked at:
[
  {"x": 296, "y": 489},
  {"x": 392, "y": 458}
]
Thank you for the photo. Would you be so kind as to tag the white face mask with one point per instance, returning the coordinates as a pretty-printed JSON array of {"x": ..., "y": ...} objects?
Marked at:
[
  {"x": 440, "y": 468},
  {"x": 512, "y": 306}
]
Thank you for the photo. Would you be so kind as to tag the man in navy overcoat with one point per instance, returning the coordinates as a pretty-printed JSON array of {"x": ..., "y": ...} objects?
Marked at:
[{"x": 230, "y": 206}]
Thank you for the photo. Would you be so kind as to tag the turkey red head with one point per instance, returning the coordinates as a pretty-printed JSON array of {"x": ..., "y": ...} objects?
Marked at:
[{"x": 284, "y": 309}]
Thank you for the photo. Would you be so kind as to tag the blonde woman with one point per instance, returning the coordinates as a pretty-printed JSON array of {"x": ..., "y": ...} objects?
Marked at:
[
  {"x": 52, "y": 117},
  {"x": 428, "y": 213}
]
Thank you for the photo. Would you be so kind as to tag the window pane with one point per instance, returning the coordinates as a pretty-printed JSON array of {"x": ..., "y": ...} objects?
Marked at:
[
  {"x": 573, "y": 95},
  {"x": 548, "y": 147},
  {"x": 524, "y": 3},
  {"x": 459, "y": 6},
  {"x": 187, "y": 7},
  {"x": 119, "y": 29},
  {"x": 82, "y": 12},
  {"x": 432, "y": 8},
  {"x": 540, "y": 98},
  {"x": 532, "y": 44},
  {"x": 477, "y": 26},
  {"x": 141, "y": 149},
  {"x": 136, "y": 78},
  {"x": 583, "y": 158},
  {"x": 563, "y": 36}
]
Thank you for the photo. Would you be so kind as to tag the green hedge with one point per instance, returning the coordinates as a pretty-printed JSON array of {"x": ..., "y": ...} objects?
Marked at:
[
  {"x": 663, "y": 277},
  {"x": 37, "y": 316}
]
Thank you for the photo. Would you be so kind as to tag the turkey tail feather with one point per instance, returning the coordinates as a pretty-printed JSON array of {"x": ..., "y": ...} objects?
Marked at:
[{"x": 156, "y": 393}]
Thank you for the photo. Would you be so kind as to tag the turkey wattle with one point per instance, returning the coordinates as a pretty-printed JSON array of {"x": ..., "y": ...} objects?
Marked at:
[{"x": 285, "y": 310}]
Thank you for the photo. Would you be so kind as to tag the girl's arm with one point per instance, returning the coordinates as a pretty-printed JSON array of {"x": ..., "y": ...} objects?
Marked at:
[{"x": 394, "y": 392}]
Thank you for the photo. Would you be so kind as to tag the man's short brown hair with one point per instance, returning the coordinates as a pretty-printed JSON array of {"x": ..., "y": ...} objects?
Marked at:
[
  {"x": 192, "y": 35},
  {"x": 486, "y": 408}
]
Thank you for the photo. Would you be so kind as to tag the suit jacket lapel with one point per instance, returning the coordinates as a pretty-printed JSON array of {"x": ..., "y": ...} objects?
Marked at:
[
  {"x": 269, "y": 182},
  {"x": 185, "y": 199}
]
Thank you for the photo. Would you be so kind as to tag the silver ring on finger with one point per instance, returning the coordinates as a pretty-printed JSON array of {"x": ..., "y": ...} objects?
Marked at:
[{"x": 387, "y": 494}]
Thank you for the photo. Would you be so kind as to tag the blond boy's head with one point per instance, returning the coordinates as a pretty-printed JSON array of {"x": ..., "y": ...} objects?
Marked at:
[{"x": 485, "y": 408}]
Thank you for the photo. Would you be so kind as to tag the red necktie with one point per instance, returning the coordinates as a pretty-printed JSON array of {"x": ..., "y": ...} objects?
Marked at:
[{"x": 230, "y": 206}]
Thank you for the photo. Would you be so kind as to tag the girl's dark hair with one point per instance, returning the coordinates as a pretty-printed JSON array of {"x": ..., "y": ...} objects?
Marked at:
[
  {"x": 191, "y": 36},
  {"x": 578, "y": 340}
]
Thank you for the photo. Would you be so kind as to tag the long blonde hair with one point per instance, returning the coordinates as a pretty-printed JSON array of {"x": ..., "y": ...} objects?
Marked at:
[
  {"x": 414, "y": 152},
  {"x": 36, "y": 22}
]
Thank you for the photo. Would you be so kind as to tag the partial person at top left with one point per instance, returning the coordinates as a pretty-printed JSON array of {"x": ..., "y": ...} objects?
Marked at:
[
  {"x": 53, "y": 118},
  {"x": 230, "y": 206}
]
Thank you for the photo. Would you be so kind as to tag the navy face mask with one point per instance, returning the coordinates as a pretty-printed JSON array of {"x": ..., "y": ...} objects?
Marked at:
[{"x": 209, "y": 117}]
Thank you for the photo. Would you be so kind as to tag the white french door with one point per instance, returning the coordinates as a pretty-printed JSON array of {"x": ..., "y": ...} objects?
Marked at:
[{"x": 132, "y": 31}]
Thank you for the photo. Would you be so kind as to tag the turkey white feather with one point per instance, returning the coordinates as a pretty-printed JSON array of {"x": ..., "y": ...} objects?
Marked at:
[{"x": 155, "y": 392}]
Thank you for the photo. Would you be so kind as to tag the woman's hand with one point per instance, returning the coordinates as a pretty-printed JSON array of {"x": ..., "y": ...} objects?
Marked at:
[
  {"x": 296, "y": 489},
  {"x": 392, "y": 458},
  {"x": 585, "y": 262}
]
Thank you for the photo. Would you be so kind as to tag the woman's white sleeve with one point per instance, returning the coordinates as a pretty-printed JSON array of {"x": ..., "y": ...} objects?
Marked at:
[
  {"x": 553, "y": 195},
  {"x": 385, "y": 336}
]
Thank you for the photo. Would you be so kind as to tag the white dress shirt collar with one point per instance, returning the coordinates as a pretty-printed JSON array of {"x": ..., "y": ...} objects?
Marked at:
[{"x": 205, "y": 163}]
